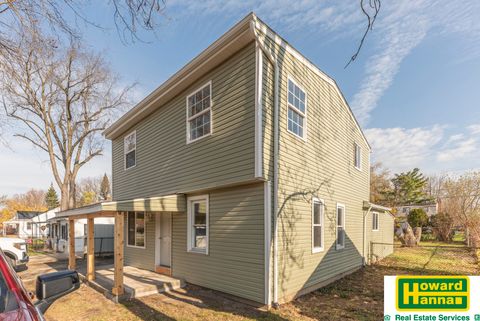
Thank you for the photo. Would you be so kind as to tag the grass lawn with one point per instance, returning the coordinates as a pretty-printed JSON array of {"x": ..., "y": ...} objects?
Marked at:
[{"x": 358, "y": 296}]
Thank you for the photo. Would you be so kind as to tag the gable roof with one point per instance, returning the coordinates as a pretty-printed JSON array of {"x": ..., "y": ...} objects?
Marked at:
[
  {"x": 27, "y": 215},
  {"x": 230, "y": 42}
]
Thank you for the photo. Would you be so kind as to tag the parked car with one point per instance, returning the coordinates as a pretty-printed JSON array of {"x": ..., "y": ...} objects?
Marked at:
[
  {"x": 16, "y": 303},
  {"x": 15, "y": 250}
]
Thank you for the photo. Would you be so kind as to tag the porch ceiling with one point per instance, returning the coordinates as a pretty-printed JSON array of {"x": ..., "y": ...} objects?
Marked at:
[{"x": 168, "y": 203}]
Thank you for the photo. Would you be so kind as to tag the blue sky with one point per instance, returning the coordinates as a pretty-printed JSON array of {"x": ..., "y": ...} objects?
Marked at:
[{"x": 414, "y": 87}]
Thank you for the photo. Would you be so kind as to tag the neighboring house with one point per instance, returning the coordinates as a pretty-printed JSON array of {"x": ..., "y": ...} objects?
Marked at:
[
  {"x": 245, "y": 172},
  {"x": 22, "y": 225},
  {"x": 58, "y": 227},
  {"x": 402, "y": 211}
]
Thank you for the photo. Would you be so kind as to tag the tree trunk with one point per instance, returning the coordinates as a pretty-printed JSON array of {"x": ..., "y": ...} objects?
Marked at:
[{"x": 64, "y": 201}]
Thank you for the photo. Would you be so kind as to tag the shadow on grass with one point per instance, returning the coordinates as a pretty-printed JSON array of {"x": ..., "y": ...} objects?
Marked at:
[{"x": 213, "y": 305}]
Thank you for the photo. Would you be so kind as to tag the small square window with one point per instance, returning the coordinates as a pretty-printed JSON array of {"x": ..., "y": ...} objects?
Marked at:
[
  {"x": 130, "y": 146},
  {"x": 340, "y": 243},
  {"x": 375, "y": 221},
  {"x": 357, "y": 156}
]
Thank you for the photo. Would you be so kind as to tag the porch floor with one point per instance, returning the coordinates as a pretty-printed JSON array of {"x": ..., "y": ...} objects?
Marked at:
[{"x": 137, "y": 282}]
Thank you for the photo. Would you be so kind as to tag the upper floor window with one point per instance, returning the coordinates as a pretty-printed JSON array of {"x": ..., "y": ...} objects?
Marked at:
[
  {"x": 340, "y": 226},
  {"x": 357, "y": 156},
  {"x": 130, "y": 146},
  {"x": 375, "y": 221},
  {"x": 297, "y": 108},
  {"x": 198, "y": 224},
  {"x": 199, "y": 115},
  {"x": 317, "y": 225}
]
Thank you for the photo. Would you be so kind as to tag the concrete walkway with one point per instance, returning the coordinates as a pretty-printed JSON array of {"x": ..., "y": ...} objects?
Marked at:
[{"x": 137, "y": 282}]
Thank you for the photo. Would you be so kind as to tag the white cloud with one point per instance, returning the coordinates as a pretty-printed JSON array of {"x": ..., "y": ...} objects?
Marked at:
[
  {"x": 402, "y": 148},
  {"x": 402, "y": 26},
  {"x": 432, "y": 149},
  {"x": 474, "y": 129},
  {"x": 459, "y": 150}
]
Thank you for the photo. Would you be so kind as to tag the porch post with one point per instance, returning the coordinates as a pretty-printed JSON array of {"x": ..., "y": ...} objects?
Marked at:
[
  {"x": 90, "y": 250},
  {"x": 118, "y": 248},
  {"x": 71, "y": 244}
]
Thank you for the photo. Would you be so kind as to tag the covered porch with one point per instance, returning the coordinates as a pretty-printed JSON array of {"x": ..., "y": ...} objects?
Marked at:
[{"x": 117, "y": 279}]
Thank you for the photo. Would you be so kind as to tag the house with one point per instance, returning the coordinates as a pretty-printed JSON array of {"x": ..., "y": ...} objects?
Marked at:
[
  {"x": 430, "y": 208},
  {"x": 245, "y": 172},
  {"x": 58, "y": 234},
  {"x": 22, "y": 225}
]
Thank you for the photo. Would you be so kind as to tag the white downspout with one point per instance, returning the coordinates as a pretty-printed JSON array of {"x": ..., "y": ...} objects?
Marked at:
[
  {"x": 276, "y": 147},
  {"x": 365, "y": 234}
]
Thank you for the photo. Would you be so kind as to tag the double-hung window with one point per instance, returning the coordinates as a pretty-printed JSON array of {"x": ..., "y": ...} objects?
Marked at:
[
  {"x": 340, "y": 244},
  {"x": 198, "y": 224},
  {"x": 199, "y": 114},
  {"x": 130, "y": 147},
  {"x": 357, "y": 156},
  {"x": 317, "y": 225},
  {"x": 136, "y": 229},
  {"x": 375, "y": 221},
  {"x": 297, "y": 110}
]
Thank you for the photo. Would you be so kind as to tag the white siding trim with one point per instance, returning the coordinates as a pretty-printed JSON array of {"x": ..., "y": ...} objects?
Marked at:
[
  {"x": 260, "y": 26},
  {"x": 322, "y": 222},
  {"x": 258, "y": 112},
  {"x": 190, "y": 199},
  {"x": 268, "y": 237},
  {"x": 339, "y": 247}
]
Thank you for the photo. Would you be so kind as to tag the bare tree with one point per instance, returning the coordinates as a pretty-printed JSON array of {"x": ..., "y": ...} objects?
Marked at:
[
  {"x": 88, "y": 190},
  {"x": 462, "y": 202},
  {"x": 371, "y": 9},
  {"x": 62, "y": 97},
  {"x": 130, "y": 17},
  {"x": 380, "y": 184}
]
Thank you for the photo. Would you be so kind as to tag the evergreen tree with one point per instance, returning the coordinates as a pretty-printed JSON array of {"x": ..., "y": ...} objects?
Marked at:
[
  {"x": 105, "y": 188},
  {"x": 410, "y": 188},
  {"x": 51, "y": 198}
]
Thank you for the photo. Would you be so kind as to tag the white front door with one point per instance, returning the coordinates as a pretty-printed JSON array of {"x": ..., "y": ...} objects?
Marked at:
[{"x": 164, "y": 239}]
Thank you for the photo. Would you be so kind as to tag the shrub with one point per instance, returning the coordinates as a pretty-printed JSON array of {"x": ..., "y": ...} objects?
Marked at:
[
  {"x": 443, "y": 227},
  {"x": 417, "y": 218}
]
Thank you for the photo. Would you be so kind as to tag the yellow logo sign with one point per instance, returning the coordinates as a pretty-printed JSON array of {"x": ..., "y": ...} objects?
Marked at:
[{"x": 432, "y": 293}]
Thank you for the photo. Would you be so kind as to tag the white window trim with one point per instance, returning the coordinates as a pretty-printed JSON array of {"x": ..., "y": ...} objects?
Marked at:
[
  {"x": 190, "y": 201},
  {"x": 359, "y": 156},
  {"x": 373, "y": 220},
  {"x": 144, "y": 233},
  {"x": 340, "y": 247},
  {"x": 322, "y": 220},
  {"x": 125, "y": 151},
  {"x": 304, "y": 138},
  {"x": 188, "y": 119}
]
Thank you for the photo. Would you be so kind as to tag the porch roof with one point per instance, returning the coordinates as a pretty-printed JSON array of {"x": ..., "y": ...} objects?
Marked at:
[{"x": 167, "y": 203}]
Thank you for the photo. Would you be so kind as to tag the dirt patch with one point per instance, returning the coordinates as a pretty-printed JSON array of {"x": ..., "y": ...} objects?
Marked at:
[{"x": 358, "y": 296}]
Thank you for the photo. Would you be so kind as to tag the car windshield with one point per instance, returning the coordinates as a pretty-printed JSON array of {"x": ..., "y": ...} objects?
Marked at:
[{"x": 8, "y": 301}]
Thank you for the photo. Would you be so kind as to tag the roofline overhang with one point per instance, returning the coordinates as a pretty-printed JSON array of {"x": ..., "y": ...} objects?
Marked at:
[
  {"x": 230, "y": 42},
  {"x": 368, "y": 205}
]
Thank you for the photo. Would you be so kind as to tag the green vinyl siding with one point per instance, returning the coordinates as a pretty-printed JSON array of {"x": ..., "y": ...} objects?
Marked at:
[
  {"x": 235, "y": 260},
  {"x": 166, "y": 164},
  {"x": 382, "y": 239},
  {"x": 321, "y": 165}
]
